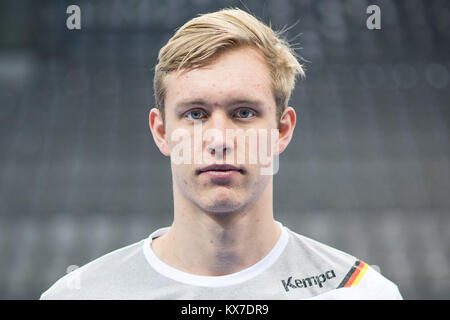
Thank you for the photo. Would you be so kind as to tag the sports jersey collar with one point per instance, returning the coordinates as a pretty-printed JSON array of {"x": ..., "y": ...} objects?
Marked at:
[{"x": 211, "y": 281}]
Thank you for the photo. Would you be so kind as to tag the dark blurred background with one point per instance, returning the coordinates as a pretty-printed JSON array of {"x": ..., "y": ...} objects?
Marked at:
[{"x": 367, "y": 171}]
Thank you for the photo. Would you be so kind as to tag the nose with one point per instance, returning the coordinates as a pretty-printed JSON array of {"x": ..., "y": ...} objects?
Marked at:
[{"x": 215, "y": 135}]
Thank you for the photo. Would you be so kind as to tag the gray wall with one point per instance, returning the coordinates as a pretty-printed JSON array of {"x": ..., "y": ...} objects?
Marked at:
[{"x": 367, "y": 170}]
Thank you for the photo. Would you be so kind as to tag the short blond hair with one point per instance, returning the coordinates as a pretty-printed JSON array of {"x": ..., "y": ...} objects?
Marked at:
[{"x": 203, "y": 38}]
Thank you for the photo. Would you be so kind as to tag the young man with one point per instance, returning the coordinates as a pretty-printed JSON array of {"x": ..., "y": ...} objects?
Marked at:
[{"x": 222, "y": 77}]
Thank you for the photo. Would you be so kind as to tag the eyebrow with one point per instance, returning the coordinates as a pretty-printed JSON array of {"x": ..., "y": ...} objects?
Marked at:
[
  {"x": 191, "y": 102},
  {"x": 203, "y": 103}
]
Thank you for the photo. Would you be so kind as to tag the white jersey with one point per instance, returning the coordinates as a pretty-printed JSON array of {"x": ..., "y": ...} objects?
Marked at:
[{"x": 296, "y": 268}]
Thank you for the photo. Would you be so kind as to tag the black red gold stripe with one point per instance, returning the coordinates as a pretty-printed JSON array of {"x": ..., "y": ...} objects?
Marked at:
[{"x": 355, "y": 274}]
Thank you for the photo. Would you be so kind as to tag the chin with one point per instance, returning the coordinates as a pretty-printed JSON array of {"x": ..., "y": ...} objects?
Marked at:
[{"x": 223, "y": 206}]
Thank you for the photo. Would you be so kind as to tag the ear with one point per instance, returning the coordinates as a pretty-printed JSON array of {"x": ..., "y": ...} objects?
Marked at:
[
  {"x": 286, "y": 128},
  {"x": 158, "y": 131}
]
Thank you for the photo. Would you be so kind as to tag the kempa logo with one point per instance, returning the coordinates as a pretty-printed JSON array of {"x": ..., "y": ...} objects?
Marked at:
[{"x": 308, "y": 282}]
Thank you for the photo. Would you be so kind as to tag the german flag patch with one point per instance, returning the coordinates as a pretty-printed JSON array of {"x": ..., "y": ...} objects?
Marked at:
[{"x": 354, "y": 275}]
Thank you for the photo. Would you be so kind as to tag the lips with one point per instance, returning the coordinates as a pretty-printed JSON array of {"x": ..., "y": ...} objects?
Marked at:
[{"x": 220, "y": 169}]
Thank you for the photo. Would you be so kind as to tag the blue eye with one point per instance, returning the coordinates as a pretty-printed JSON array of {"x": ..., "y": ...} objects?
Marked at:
[
  {"x": 245, "y": 113},
  {"x": 195, "y": 114}
]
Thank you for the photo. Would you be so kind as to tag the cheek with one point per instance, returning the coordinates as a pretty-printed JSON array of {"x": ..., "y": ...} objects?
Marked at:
[
  {"x": 182, "y": 171},
  {"x": 182, "y": 176},
  {"x": 258, "y": 149}
]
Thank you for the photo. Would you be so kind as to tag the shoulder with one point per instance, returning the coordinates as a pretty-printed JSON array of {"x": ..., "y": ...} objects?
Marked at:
[
  {"x": 318, "y": 253},
  {"x": 355, "y": 278},
  {"x": 370, "y": 286},
  {"x": 88, "y": 281}
]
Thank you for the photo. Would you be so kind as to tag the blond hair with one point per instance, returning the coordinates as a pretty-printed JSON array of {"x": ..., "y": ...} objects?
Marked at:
[{"x": 203, "y": 38}]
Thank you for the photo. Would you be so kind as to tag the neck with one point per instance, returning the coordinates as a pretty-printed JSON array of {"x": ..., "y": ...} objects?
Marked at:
[{"x": 217, "y": 244}]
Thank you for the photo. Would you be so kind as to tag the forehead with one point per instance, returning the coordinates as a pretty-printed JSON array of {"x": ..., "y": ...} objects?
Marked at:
[{"x": 236, "y": 73}]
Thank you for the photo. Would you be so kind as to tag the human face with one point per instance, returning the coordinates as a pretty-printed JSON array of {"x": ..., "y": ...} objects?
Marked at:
[{"x": 233, "y": 92}]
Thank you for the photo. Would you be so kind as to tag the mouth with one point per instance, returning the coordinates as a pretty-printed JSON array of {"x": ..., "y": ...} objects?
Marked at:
[{"x": 221, "y": 170}]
